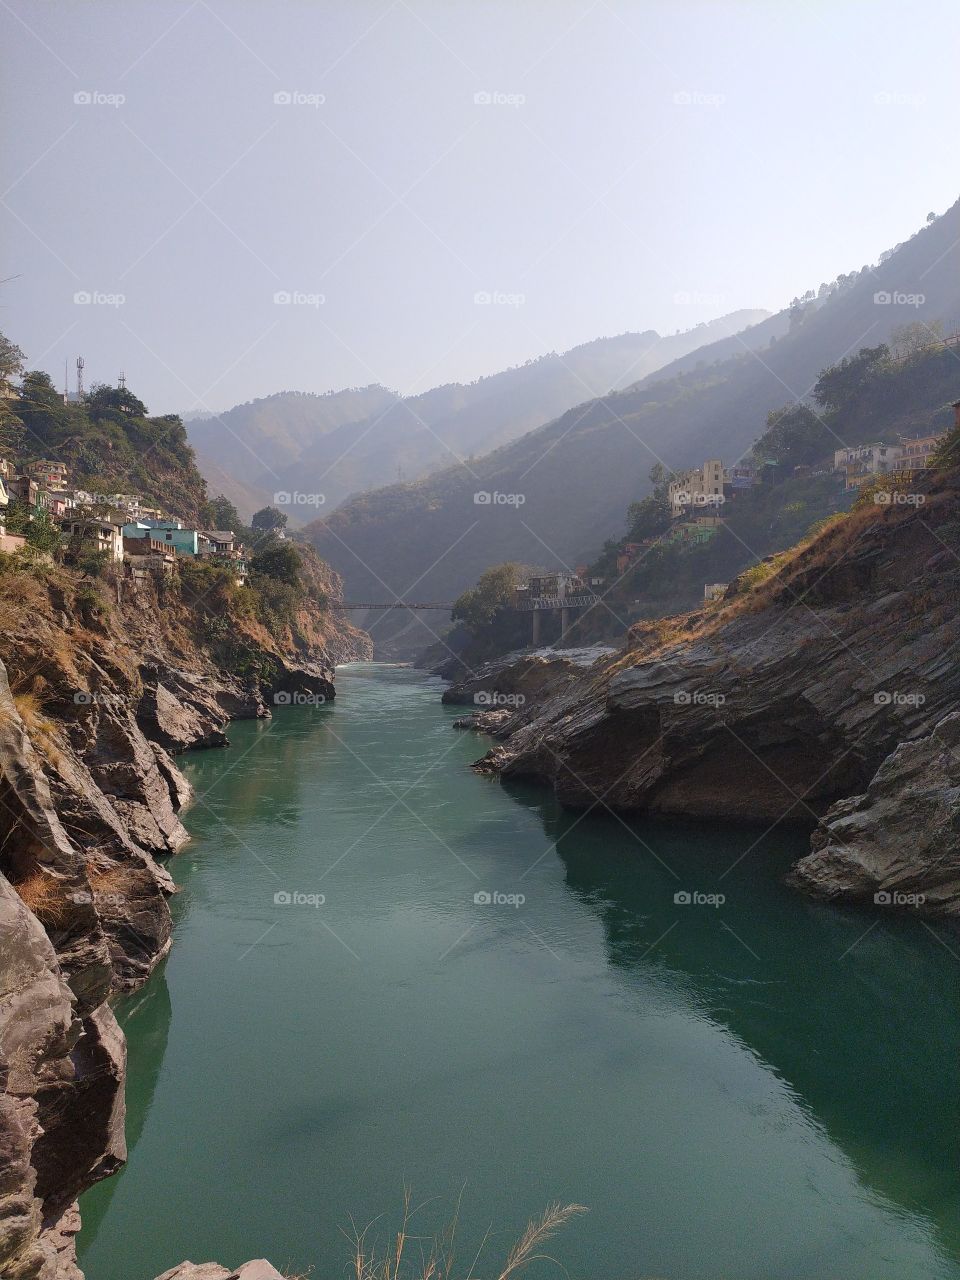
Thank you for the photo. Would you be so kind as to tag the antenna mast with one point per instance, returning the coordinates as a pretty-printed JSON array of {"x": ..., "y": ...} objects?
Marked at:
[
  {"x": 122, "y": 381},
  {"x": 79, "y": 377}
]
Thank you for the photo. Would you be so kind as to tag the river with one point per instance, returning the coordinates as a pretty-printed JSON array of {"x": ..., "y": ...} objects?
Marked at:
[{"x": 503, "y": 1003}]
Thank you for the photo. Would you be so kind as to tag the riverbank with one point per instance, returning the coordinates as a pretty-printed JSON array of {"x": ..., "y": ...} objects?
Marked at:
[
  {"x": 99, "y": 688},
  {"x": 821, "y": 695}
]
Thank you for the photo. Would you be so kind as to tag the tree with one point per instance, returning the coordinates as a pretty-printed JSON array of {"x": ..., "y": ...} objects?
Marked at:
[
  {"x": 223, "y": 514},
  {"x": 849, "y": 379},
  {"x": 912, "y": 338},
  {"x": 478, "y": 606},
  {"x": 269, "y": 519},
  {"x": 795, "y": 436},
  {"x": 280, "y": 561},
  {"x": 104, "y": 401}
]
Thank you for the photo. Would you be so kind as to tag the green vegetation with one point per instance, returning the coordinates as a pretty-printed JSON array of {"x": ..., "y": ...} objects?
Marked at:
[{"x": 109, "y": 443}]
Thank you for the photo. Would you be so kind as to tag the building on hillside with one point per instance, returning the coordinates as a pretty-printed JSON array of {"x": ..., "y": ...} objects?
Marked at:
[
  {"x": 25, "y": 490},
  {"x": 222, "y": 539},
  {"x": 697, "y": 487},
  {"x": 48, "y": 474},
  {"x": 185, "y": 541},
  {"x": 147, "y": 554},
  {"x": 714, "y": 590},
  {"x": 862, "y": 461},
  {"x": 97, "y": 534},
  {"x": 55, "y": 504},
  {"x": 917, "y": 452}
]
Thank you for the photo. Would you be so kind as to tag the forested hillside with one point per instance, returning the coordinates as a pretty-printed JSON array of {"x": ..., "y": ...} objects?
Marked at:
[{"x": 571, "y": 481}]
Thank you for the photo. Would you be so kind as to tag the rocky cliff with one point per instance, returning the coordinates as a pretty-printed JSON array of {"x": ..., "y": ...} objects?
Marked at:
[
  {"x": 823, "y": 694},
  {"x": 100, "y": 687}
]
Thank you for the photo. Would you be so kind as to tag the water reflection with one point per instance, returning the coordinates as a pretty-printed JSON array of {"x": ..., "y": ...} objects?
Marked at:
[{"x": 859, "y": 1016}]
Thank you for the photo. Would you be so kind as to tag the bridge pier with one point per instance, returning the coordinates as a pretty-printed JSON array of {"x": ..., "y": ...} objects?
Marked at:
[
  {"x": 536, "y": 628},
  {"x": 565, "y": 612}
]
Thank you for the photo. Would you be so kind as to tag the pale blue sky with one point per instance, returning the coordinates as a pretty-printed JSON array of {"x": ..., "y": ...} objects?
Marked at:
[{"x": 634, "y": 153}]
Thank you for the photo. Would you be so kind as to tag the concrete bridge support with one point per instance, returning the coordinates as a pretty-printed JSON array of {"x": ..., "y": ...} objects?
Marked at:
[
  {"x": 565, "y": 614},
  {"x": 536, "y": 627}
]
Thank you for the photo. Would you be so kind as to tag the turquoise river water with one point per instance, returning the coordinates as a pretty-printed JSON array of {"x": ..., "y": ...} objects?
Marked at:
[{"x": 761, "y": 1089}]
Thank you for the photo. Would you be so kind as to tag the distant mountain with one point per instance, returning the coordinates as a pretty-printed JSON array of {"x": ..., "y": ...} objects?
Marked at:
[
  {"x": 242, "y": 450},
  {"x": 350, "y": 441},
  {"x": 564, "y": 488}
]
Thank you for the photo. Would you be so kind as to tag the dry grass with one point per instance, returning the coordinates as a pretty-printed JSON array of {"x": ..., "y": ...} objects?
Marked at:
[
  {"x": 45, "y": 896},
  {"x": 41, "y": 731},
  {"x": 435, "y": 1256}
]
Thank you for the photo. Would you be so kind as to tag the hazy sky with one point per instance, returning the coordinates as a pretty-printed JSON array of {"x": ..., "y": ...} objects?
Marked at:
[{"x": 628, "y": 165}]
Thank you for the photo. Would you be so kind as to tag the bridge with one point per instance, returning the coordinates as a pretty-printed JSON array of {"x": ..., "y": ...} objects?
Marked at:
[{"x": 444, "y": 605}]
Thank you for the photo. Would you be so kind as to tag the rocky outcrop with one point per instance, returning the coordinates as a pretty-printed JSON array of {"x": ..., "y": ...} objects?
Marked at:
[
  {"x": 832, "y": 680},
  {"x": 259, "y": 1269},
  {"x": 897, "y": 845}
]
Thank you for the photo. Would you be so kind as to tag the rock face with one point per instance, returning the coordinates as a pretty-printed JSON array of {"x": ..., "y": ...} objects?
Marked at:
[
  {"x": 90, "y": 797},
  {"x": 898, "y": 844},
  {"x": 259, "y": 1269},
  {"x": 832, "y": 680}
]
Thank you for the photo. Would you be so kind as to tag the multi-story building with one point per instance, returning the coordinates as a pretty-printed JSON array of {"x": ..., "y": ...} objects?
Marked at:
[{"x": 698, "y": 487}]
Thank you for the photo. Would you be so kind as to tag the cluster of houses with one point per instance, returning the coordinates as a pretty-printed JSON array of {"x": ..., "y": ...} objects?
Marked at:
[
  {"x": 121, "y": 525},
  {"x": 861, "y": 463}
]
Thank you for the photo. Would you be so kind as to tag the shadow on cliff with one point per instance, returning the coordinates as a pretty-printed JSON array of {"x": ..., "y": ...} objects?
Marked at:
[
  {"x": 149, "y": 1011},
  {"x": 859, "y": 1015}
]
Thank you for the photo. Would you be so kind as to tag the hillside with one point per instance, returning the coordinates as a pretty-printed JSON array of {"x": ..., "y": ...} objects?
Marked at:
[
  {"x": 243, "y": 450},
  {"x": 350, "y": 441},
  {"x": 576, "y": 476},
  {"x": 109, "y": 443}
]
